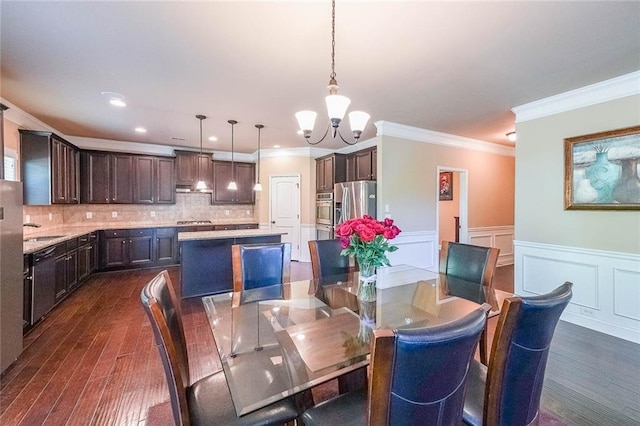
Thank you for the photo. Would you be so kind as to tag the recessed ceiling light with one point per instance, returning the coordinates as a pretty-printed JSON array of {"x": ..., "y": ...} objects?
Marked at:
[
  {"x": 117, "y": 102},
  {"x": 140, "y": 130},
  {"x": 213, "y": 139},
  {"x": 115, "y": 99},
  {"x": 276, "y": 146}
]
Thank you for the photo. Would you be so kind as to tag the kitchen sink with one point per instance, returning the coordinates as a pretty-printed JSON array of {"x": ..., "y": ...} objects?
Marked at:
[{"x": 43, "y": 238}]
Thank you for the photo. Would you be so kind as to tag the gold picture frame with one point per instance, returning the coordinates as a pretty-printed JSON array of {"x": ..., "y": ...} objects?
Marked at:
[{"x": 602, "y": 172}]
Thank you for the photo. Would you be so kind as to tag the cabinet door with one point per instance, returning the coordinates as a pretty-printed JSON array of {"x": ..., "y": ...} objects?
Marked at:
[
  {"x": 245, "y": 179},
  {"x": 121, "y": 178},
  {"x": 115, "y": 252},
  {"x": 60, "y": 279},
  {"x": 72, "y": 269},
  {"x": 73, "y": 171},
  {"x": 374, "y": 164},
  {"x": 140, "y": 246},
  {"x": 186, "y": 164},
  {"x": 93, "y": 257},
  {"x": 144, "y": 180},
  {"x": 95, "y": 168},
  {"x": 58, "y": 171},
  {"x": 221, "y": 178},
  {"x": 165, "y": 181},
  {"x": 204, "y": 169},
  {"x": 328, "y": 180},
  {"x": 84, "y": 267},
  {"x": 320, "y": 175},
  {"x": 363, "y": 165},
  {"x": 351, "y": 167},
  {"x": 166, "y": 246}
]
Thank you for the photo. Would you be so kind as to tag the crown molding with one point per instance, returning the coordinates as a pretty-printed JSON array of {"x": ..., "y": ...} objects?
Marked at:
[
  {"x": 388, "y": 128},
  {"x": 608, "y": 90},
  {"x": 24, "y": 120}
]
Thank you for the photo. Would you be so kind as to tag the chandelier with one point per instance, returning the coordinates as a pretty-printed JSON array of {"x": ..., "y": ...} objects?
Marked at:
[{"x": 336, "y": 104}]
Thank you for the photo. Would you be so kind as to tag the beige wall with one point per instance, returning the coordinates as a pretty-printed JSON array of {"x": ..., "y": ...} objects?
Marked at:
[
  {"x": 11, "y": 135},
  {"x": 407, "y": 182},
  {"x": 303, "y": 166},
  {"x": 540, "y": 214}
]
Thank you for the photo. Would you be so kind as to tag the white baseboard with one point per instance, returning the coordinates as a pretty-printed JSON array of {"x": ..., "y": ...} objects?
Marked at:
[{"x": 606, "y": 285}]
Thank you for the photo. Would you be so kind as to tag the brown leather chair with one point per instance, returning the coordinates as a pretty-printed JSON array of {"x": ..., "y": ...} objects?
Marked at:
[
  {"x": 207, "y": 401},
  {"x": 507, "y": 392},
  {"x": 326, "y": 260},
  {"x": 417, "y": 378},
  {"x": 475, "y": 264}
]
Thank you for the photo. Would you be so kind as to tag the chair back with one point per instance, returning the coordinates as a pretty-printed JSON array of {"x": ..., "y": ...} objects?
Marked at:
[
  {"x": 260, "y": 265},
  {"x": 418, "y": 375},
  {"x": 326, "y": 260},
  {"x": 519, "y": 356},
  {"x": 468, "y": 262},
  {"x": 161, "y": 305}
]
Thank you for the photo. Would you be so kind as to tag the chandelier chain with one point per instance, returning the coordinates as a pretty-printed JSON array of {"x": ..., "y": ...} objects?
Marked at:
[{"x": 333, "y": 39}]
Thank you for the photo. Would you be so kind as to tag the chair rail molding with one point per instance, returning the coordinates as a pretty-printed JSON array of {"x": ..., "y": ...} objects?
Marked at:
[
  {"x": 606, "y": 285},
  {"x": 495, "y": 236}
]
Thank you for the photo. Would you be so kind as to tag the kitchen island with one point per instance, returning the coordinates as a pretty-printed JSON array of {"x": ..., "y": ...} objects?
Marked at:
[{"x": 205, "y": 258}]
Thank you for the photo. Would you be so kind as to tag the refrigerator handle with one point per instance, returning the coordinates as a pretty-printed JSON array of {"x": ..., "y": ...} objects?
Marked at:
[{"x": 346, "y": 204}]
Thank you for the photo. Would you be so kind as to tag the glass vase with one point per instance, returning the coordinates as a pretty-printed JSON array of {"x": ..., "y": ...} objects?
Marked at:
[{"x": 367, "y": 293}]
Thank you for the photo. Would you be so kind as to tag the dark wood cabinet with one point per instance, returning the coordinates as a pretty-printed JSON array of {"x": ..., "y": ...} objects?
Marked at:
[
  {"x": 361, "y": 165},
  {"x": 244, "y": 175},
  {"x": 121, "y": 179},
  {"x": 166, "y": 250},
  {"x": 86, "y": 256},
  {"x": 141, "y": 246},
  {"x": 191, "y": 167},
  {"x": 113, "y": 248},
  {"x": 135, "y": 248},
  {"x": 66, "y": 268},
  {"x": 154, "y": 180},
  {"x": 330, "y": 169},
  {"x": 49, "y": 169}
]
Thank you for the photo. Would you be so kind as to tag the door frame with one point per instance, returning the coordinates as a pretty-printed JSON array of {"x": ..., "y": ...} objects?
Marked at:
[
  {"x": 463, "y": 193},
  {"x": 299, "y": 207}
]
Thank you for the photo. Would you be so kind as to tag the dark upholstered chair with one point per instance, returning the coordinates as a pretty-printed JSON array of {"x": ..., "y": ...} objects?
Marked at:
[
  {"x": 508, "y": 391},
  {"x": 471, "y": 263},
  {"x": 260, "y": 265},
  {"x": 326, "y": 260},
  {"x": 207, "y": 401},
  {"x": 417, "y": 378},
  {"x": 468, "y": 262}
]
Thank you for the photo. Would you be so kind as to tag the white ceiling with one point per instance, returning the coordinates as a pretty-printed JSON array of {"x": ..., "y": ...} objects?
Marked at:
[{"x": 454, "y": 67}]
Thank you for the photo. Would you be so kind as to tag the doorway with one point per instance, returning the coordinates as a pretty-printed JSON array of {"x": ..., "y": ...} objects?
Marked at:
[
  {"x": 284, "y": 209},
  {"x": 452, "y": 203}
]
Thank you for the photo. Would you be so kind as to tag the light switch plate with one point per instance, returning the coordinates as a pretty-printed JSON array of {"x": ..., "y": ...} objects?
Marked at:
[
  {"x": 89, "y": 215},
  {"x": 114, "y": 214}
]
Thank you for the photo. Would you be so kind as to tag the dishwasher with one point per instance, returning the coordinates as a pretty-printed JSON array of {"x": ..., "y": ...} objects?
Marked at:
[{"x": 43, "y": 294}]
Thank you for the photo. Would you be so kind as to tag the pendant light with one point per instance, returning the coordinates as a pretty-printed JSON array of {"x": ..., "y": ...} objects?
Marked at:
[
  {"x": 258, "y": 185},
  {"x": 201, "y": 185},
  {"x": 336, "y": 104},
  {"x": 232, "y": 185}
]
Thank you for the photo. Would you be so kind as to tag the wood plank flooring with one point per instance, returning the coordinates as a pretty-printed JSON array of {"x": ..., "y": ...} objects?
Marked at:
[{"x": 92, "y": 361}]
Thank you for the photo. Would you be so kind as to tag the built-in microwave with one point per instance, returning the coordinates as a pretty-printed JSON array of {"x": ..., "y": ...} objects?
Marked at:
[{"x": 324, "y": 208}]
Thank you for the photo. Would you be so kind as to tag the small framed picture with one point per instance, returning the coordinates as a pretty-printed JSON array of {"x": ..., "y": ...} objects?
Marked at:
[{"x": 446, "y": 186}]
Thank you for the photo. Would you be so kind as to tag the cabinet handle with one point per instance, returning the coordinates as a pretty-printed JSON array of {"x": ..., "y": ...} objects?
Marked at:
[
  {"x": 106, "y": 199},
  {"x": 124, "y": 242}
]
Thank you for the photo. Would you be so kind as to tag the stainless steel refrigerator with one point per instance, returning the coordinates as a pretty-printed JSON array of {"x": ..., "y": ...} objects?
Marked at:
[
  {"x": 354, "y": 199},
  {"x": 10, "y": 271}
]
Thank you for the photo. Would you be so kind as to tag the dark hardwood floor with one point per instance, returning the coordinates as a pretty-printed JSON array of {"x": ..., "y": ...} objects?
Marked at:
[{"x": 92, "y": 361}]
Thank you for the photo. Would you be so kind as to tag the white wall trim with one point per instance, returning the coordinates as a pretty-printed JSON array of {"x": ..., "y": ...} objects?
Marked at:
[
  {"x": 388, "y": 128},
  {"x": 495, "y": 236},
  {"x": 606, "y": 285},
  {"x": 24, "y": 120},
  {"x": 605, "y": 91},
  {"x": 419, "y": 249}
]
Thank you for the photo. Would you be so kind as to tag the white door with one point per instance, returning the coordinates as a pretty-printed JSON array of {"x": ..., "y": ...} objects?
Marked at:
[{"x": 284, "y": 208}]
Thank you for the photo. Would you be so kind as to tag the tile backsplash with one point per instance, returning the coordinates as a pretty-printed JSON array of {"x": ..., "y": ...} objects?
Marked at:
[{"x": 191, "y": 206}]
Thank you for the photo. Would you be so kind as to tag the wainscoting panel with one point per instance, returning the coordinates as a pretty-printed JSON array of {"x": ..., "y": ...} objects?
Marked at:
[
  {"x": 419, "y": 249},
  {"x": 495, "y": 236},
  {"x": 606, "y": 285}
]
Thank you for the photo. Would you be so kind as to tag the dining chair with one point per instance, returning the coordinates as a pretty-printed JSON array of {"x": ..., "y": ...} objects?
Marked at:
[
  {"x": 326, "y": 260},
  {"x": 507, "y": 392},
  {"x": 260, "y": 266},
  {"x": 475, "y": 264},
  {"x": 417, "y": 377},
  {"x": 208, "y": 400}
]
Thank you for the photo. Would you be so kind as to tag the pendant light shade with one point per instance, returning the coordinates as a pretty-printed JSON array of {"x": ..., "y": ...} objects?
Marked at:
[
  {"x": 200, "y": 185},
  {"x": 232, "y": 185},
  {"x": 258, "y": 185}
]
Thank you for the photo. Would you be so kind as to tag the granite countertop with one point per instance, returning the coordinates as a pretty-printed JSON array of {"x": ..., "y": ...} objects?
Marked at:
[
  {"x": 67, "y": 232},
  {"x": 219, "y": 235}
]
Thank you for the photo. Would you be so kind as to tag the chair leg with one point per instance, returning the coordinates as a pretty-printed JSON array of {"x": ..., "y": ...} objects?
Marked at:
[{"x": 483, "y": 346}]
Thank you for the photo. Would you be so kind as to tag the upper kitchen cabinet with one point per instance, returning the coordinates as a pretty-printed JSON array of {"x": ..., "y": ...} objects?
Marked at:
[
  {"x": 244, "y": 176},
  {"x": 361, "y": 165},
  {"x": 330, "y": 169},
  {"x": 192, "y": 167},
  {"x": 154, "y": 180},
  {"x": 49, "y": 168},
  {"x": 107, "y": 178}
]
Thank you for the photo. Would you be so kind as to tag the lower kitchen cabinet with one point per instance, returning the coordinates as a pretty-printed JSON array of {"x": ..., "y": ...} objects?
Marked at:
[
  {"x": 166, "y": 250},
  {"x": 66, "y": 268},
  {"x": 137, "y": 248},
  {"x": 27, "y": 282},
  {"x": 87, "y": 255}
]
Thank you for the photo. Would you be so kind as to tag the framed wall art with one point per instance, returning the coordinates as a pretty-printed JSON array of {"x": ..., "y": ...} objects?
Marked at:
[
  {"x": 446, "y": 186},
  {"x": 601, "y": 171}
]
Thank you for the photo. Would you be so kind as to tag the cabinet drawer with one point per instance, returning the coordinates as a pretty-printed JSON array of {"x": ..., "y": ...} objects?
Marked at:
[
  {"x": 225, "y": 227},
  {"x": 165, "y": 232},
  {"x": 116, "y": 233},
  {"x": 248, "y": 226},
  {"x": 72, "y": 244},
  {"x": 147, "y": 232},
  {"x": 83, "y": 239}
]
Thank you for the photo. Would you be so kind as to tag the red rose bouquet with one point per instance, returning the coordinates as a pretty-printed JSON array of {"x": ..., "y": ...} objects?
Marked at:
[{"x": 367, "y": 240}]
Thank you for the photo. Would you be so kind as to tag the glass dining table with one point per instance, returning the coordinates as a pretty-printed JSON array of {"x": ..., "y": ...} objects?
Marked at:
[{"x": 277, "y": 341}]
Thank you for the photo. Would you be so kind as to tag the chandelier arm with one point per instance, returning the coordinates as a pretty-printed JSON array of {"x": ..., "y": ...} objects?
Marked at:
[
  {"x": 326, "y": 132},
  {"x": 337, "y": 131}
]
